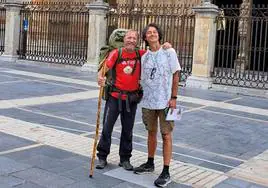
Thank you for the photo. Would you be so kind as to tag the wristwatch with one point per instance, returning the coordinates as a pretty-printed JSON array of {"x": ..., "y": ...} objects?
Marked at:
[{"x": 173, "y": 97}]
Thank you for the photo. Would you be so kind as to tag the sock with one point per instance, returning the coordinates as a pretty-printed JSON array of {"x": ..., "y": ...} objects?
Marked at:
[
  {"x": 150, "y": 161},
  {"x": 165, "y": 169}
]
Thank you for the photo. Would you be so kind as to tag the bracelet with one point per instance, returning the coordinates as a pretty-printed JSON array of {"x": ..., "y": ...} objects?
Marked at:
[{"x": 173, "y": 97}]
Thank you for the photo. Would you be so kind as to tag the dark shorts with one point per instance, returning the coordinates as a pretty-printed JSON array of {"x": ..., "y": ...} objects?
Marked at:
[{"x": 150, "y": 120}]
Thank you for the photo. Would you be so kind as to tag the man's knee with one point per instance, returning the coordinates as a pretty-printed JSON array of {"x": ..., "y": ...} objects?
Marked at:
[
  {"x": 166, "y": 137},
  {"x": 152, "y": 133}
]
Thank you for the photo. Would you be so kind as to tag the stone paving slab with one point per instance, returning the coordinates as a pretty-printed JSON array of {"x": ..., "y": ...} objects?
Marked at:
[
  {"x": 10, "y": 181},
  {"x": 199, "y": 158},
  {"x": 35, "y": 132},
  {"x": 4, "y": 79},
  {"x": 237, "y": 183},
  {"x": 43, "y": 178},
  {"x": 19, "y": 149},
  {"x": 244, "y": 115},
  {"x": 255, "y": 169},
  {"x": 47, "y": 68},
  {"x": 220, "y": 100},
  {"x": 28, "y": 89},
  {"x": 97, "y": 181},
  {"x": 205, "y": 94},
  {"x": 82, "y": 111},
  {"x": 51, "y": 77},
  {"x": 224, "y": 105},
  {"x": 23, "y": 78},
  {"x": 9, "y": 142},
  {"x": 228, "y": 109},
  {"x": 252, "y": 101},
  {"x": 8, "y": 166},
  {"x": 42, "y": 162},
  {"x": 29, "y": 185},
  {"x": 183, "y": 130},
  {"x": 80, "y": 145},
  {"x": 128, "y": 185},
  {"x": 145, "y": 180},
  {"x": 5, "y": 104},
  {"x": 54, "y": 120},
  {"x": 7, "y": 78},
  {"x": 222, "y": 134}
]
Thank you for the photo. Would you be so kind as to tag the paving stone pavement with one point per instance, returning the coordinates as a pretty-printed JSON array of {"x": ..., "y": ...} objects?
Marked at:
[{"x": 47, "y": 128}]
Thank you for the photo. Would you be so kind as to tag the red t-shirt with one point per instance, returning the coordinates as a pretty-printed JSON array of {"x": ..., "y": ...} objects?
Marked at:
[{"x": 124, "y": 81}]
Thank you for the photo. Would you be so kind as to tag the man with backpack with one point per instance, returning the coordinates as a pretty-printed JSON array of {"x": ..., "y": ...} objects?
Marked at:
[{"x": 123, "y": 64}]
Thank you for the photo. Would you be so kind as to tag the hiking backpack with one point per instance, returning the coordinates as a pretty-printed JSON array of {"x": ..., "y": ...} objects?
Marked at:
[{"x": 116, "y": 40}]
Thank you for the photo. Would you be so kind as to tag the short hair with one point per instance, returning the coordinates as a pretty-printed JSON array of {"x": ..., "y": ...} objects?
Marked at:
[
  {"x": 133, "y": 30},
  {"x": 159, "y": 31}
]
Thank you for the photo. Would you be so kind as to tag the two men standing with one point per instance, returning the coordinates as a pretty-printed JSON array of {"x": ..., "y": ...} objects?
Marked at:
[{"x": 159, "y": 79}]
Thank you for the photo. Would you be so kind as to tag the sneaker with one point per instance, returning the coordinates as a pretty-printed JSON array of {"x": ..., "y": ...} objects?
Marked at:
[
  {"x": 126, "y": 165},
  {"x": 145, "y": 168},
  {"x": 101, "y": 164},
  {"x": 163, "y": 180}
]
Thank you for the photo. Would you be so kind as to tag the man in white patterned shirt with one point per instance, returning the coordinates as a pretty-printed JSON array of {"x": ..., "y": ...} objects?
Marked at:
[{"x": 159, "y": 80}]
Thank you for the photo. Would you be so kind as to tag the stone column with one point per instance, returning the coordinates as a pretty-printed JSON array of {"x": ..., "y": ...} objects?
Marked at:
[
  {"x": 204, "y": 45},
  {"x": 244, "y": 29},
  {"x": 96, "y": 33},
  {"x": 12, "y": 31}
]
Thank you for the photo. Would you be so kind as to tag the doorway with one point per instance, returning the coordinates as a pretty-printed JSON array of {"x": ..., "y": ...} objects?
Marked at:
[{"x": 227, "y": 39}]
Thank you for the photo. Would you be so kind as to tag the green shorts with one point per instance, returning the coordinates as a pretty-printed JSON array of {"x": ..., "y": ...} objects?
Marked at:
[{"x": 150, "y": 120}]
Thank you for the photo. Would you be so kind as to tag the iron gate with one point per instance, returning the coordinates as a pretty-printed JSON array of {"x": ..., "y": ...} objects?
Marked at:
[
  {"x": 241, "y": 57},
  {"x": 54, "y": 32},
  {"x": 176, "y": 21}
]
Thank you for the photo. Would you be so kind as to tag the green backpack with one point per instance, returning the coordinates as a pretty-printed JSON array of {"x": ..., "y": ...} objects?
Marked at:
[{"x": 116, "y": 40}]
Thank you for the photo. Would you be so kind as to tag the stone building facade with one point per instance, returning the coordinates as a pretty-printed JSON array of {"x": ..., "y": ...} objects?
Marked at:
[{"x": 170, "y": 2}]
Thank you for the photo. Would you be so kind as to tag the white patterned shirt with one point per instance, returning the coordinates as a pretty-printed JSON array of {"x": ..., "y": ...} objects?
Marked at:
[{"x": 157, "y": 77}]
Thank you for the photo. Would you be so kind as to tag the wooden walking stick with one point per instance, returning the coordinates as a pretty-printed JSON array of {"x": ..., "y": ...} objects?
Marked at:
[{"x": 103, "y": 71}]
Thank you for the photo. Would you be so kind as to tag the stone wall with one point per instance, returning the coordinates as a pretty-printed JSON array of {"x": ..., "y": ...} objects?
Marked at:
[{"x": 173, "y": 2}]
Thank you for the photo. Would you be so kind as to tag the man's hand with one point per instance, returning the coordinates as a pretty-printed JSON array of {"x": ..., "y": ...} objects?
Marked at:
[
  {"x": 166, "y": 45},
  {"x": 172, "y": 104},
  {"x": 101, "y": 80}
]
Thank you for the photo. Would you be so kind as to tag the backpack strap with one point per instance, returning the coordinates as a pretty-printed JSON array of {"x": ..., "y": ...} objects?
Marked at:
[
  {"x": 119, "y": 57},
  {"x": 138, "y": 57},
  {"x": 113, "y": 70}
]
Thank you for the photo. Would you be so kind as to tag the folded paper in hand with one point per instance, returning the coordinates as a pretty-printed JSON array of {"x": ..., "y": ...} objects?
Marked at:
[{"x": 175, "y": 115}]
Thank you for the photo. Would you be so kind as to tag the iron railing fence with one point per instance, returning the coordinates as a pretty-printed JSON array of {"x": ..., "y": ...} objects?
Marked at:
[
  {"x": 241, "y": 57},
  {"x": 176, "y": 21},
  {"x": 2, "y": 29},
  {"x": 55, "y": 32}
]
